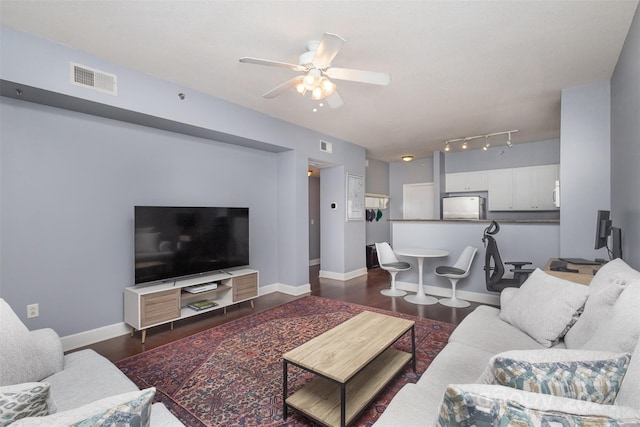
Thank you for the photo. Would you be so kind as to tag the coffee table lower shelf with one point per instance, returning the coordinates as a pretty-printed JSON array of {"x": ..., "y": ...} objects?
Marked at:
[{"x": 321, "y": 398}]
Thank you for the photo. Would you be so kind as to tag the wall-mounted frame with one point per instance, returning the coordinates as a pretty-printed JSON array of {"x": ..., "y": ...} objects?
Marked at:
[{"x": 355, "y": 197}]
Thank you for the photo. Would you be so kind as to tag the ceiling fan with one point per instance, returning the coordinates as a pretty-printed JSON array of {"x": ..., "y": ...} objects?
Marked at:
[{"x": 315, "y": 64}]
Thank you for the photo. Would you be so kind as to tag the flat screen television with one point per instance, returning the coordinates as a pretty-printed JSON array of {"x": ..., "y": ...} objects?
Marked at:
[{"x": 178, "y": 242}]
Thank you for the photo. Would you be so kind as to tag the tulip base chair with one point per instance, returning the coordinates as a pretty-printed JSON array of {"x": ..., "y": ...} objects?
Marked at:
[
  {"x": 388, "y": 261},
  {"x": 458, "y": 271}
]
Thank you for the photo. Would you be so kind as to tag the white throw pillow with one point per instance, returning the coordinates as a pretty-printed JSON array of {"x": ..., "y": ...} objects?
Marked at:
[
  {"x": 545, "y": 307},
  {"x": 613, "y": 270},
  {"x": 621, "y": 331},
  {"x": 597, "y": 309}
]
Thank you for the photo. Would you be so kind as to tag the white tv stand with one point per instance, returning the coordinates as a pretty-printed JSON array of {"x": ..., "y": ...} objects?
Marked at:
[{"x": 149, "y": 306}]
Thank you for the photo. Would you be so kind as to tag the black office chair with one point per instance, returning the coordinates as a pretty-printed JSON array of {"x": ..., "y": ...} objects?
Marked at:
[{"x": 494, "y": 267}]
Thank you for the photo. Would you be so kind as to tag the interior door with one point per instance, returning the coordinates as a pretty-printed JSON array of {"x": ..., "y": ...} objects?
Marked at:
[{"x": 418, "y": 201}]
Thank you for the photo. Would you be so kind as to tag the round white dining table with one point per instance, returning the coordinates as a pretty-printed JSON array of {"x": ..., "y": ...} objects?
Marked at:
[{"x": 420, "y": 254}]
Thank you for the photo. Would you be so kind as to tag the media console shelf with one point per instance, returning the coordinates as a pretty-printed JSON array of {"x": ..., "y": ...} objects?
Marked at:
[{"x": 149, "y": 306}]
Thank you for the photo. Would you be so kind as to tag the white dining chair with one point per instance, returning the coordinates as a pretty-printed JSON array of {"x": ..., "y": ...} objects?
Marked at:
[
  {"x": 457, "y": 271},
  {"x": 388, "y": 261}
]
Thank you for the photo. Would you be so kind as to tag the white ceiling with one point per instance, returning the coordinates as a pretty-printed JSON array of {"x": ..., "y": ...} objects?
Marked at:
[{"x": 458, "y": 68}]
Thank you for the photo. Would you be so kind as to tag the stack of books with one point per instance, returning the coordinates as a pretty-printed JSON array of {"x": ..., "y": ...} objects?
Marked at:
[{"x": 202, "y": 304}]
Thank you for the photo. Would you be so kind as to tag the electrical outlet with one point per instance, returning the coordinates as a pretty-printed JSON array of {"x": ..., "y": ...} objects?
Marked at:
[{"x": 33, "y": 310}]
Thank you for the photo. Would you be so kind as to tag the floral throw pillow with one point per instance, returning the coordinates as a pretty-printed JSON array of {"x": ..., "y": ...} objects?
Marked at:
[
  {"x": 593, "y": 376},
  {"x": 31, "y": 401},
  {"x": 488, "y": 405}
]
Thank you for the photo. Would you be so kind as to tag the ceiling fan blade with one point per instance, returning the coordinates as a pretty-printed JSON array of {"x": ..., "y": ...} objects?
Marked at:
[
  {"x": 327, "y": 50},
  {"x": 271, "y": 63},
  {"x": 284, "y": 86},
  {"x": 334, "y": 100},
  {"x": 362, "y": 76}
]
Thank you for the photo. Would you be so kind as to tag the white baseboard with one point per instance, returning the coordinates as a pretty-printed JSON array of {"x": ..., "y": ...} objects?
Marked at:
[
  {"x": 285, "y": 289},
  {"x": 92, "y": 336},
  {"x": 446, "y": 292},
  {"x": 82, "y": 339},
  {"x": 313, "y": 262},
  {"x": 343, "y": 276}
]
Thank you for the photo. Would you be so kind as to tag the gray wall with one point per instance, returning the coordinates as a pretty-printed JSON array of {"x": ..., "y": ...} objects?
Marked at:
[
  {"x": 501, "y": 157},
  {"x": 69, "y": 185},
  {"x": 625, "y": 144},
  {"x": 400, "y": 173},
  {"x": 377, "y": 181},
  {"x": 522, "y": 154},
  {"x": 271, "y": 178},
  {"x": 585, "y": 173}
]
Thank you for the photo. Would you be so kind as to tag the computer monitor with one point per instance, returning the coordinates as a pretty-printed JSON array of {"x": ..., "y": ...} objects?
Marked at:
[
  {"x": 616, "y": 237},
  {"x": 603, "y": 229}
]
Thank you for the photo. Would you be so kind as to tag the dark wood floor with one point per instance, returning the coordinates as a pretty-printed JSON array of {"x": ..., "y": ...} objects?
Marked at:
[{"x": 364, "y": 290}]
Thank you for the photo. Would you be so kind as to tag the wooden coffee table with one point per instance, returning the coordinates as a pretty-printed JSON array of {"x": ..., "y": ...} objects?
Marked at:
[{"x": 352, "y": 363}]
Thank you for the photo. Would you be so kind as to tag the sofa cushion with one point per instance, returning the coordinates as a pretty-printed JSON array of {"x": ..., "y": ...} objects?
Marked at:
[
  {"x": 131, "y": 408},
  {"x": 621, "y": 330},
  {"x": 545, "y": 307},
  {"x": 596, "y": 310},
  {"x": 593, "y": 376},
  {"x": 26, "y": 356},
  {"x": 493, "y": 405},
  {"x": 613, "y": 270},
  {"x": 25, "y": 400},
  {"x": 87, "y": 376},
  {"x": 408, "y": 407},
  {"x": 629, "y": 394},
  {"x": 483, "y": 329}
]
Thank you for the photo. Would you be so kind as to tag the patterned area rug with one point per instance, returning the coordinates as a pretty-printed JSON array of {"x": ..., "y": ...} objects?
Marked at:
[{"x": 231, "y": 375}]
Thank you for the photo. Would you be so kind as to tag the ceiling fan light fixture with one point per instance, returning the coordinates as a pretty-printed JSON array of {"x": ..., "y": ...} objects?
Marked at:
[
  {"x": 300, "y": 88},
  {"x": 328, "y": 87},
  {"x": 316, "y": 93},
  {"x": 311, "y": 79}
]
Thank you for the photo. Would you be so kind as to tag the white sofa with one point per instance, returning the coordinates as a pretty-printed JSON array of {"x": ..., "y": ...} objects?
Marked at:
[
  {"x": 64, "y": 389},
  {"x": 463, "y": 381}
]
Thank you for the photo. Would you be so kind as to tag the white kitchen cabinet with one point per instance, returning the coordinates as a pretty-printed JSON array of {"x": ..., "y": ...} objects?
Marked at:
[
  {"x": 500, "y": 194},
  {"x": 523, "y": 189},
  {"x": 466, "y": 181},
  {"x": 544, "y": 182}
]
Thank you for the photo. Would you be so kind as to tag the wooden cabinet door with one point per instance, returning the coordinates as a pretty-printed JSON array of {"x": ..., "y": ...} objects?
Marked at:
[
  {"x": 159, "y": 307},
  {"x": 245, "y": 287}
]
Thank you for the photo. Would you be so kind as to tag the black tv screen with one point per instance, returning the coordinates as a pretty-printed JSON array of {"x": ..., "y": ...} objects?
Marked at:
[{"x": 177, "y": 242}]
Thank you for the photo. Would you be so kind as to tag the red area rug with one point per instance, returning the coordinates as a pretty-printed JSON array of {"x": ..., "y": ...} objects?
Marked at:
[{"x": 231, "y": 375}]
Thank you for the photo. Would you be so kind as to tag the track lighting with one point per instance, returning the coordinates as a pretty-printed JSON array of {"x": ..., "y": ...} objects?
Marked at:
[{"x": 465, "y": 140}]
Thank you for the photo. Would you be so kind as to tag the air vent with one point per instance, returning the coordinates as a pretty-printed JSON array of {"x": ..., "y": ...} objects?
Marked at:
[
  {"x": 94, "y": 79},
  {"x": 326, "y": 146}
]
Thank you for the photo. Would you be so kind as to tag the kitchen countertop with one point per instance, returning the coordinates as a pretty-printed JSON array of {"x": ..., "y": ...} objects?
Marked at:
[{"x": 501, "y": 221}]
